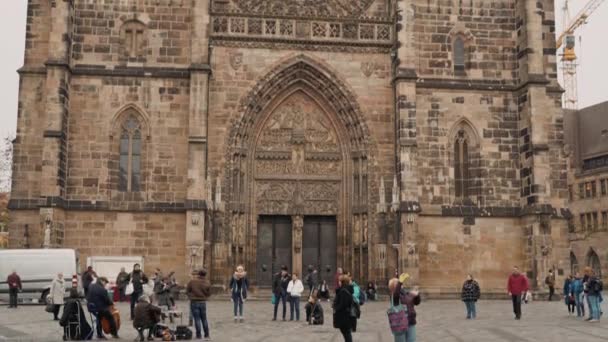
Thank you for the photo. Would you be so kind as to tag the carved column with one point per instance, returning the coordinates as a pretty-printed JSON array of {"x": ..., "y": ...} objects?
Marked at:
[
  {"x": 55, "y": 147},
  {"x": 297, "y": 228},
  {"x": 541, "y": 141},
  {"x": 406, "y": 148},
  {"x": 198, "y": 200}
]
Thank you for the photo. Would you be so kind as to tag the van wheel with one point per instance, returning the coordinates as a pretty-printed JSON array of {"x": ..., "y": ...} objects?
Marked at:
[{"x": 45, "y": 293}]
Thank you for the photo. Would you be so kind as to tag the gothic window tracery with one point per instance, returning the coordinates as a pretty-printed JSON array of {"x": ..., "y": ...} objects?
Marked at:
[
  {"x": 465, "y": 155},
  {"x": 130, "y": 155}
]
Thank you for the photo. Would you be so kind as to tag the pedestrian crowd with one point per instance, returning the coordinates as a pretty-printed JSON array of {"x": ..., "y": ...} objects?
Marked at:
[{"x": 582, "y": 294}]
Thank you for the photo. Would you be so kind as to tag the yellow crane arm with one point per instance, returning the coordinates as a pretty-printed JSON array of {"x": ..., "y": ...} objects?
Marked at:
[{"x": 579, "y": 20}]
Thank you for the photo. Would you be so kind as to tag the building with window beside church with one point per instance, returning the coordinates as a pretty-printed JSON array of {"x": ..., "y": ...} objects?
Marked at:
[
  {"x": 586, "y": 146},
  {"x": 374, "y": 135}
]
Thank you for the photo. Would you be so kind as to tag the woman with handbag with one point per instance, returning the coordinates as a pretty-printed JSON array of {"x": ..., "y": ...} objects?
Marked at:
[
  {"x": 407, "y": 299},
  {"x": 343, "y": 308},
  {"x": 137, "y": 279},
  {"x": 568, "y": 294},
  {"x": 56, "y": 295}
]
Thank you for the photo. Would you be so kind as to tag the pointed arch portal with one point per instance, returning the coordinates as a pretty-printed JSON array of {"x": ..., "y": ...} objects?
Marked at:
[{"x": 297, "y": 152}]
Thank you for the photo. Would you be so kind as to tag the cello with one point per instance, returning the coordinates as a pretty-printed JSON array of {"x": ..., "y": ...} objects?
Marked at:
[{"x": 105, "y": 324}]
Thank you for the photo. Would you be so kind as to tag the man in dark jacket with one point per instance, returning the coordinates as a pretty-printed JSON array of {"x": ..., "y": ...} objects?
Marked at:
[
  {"x": 199, "y": 290},
  {"x": 87, "y": 279},
  {"x": 14, "y": 286},
  {"x": 312, "y": 279},
  {"x": 517, "y": 286},
  {"x": 146, "y": 317},
  {"x": 138, "y": 278},
  {"x": 99, "y": 304},
  {"x": 279, "y": 289}
]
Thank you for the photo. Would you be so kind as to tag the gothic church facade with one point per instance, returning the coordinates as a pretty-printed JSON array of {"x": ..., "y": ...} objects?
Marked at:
[{"x": 415, "y": 135}]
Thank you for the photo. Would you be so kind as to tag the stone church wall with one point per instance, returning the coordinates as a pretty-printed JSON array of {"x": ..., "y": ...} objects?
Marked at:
[{"x": 96, "y": 106}]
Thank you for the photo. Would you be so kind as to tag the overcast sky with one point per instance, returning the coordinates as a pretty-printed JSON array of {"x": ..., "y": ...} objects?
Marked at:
[{"x": 593, "y": 72}]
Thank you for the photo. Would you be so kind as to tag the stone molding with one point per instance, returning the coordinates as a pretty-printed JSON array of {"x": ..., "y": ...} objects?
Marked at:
[{"x": 78, "y": 205}]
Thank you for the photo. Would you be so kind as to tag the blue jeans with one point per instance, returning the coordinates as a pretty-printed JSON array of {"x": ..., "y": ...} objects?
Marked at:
[
  {"x": 199, "y": 313},
  {"x": 408, "y": 336},
  {"x": 281, "y": 297},
  {"x": 580, "y": 306},
  {"x": 238, "y": 305},
  {"x": 471, "y": 310},
  {"x": 294, "y": 303},
  {"x": 594, "y": 307}
]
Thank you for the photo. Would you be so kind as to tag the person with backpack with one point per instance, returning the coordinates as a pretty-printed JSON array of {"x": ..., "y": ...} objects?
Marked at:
[
  {"x": 550, "y": 282},
  {"x": 568, "y": 294},
  {"x": 343, "y": 308},
  {"x": 238, "y": 289},
  {"x": 294, "y": 291},
  {"x": 595, "y": 288},
  {"x": 577, "y": 291},
  {"x": 402, "y": 296},
  {"x": 358, "y": 298},
  {"x": 470, "y": 295}
]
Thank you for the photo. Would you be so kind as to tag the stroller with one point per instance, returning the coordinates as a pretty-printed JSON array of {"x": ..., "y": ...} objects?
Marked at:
[{"x": 74, "y": 322}]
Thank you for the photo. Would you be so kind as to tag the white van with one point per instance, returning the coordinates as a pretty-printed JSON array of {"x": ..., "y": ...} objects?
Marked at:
[{"x": 37, "y": 268}]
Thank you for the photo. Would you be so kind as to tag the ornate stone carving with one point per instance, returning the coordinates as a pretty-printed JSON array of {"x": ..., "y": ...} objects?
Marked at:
[
  {"x": 308, "y": 8},
  {"x": 368, "y": 68},
  {"x": 236, "y": 60}
]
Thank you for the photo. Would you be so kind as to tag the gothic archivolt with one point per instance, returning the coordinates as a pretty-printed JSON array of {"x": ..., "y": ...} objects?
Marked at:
[{"x": 308, "y": 8}]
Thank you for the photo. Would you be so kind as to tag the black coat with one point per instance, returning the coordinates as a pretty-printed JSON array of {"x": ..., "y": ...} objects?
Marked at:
[
  {"x": 138, "y": 279},
  {"x": 342, "y": 308},
  {"x": 470, "y": 291},
  {"x": 73, "y": 312},
  {"x": 279, "y": 283}
]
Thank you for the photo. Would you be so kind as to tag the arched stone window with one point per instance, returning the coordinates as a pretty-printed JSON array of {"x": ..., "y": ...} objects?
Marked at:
[
  {"x": 593, "y": 261},
  {"x": 458, "y": 54},
  {"x": 133, "y": 34},
  {"x": 130, "y": 155},
  {"x": 129, "y": 135},
  {"x": 573, "y": 264},
  {"x": 465, "y": 157},
  {"x": 462, "y": 175}
]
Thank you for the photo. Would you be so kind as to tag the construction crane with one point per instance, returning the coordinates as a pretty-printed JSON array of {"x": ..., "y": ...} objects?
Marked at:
[{"x": 568, "y": 41}]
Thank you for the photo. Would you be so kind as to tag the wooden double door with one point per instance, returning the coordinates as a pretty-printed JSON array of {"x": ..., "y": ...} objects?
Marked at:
[{"x": 275, "y": 246}]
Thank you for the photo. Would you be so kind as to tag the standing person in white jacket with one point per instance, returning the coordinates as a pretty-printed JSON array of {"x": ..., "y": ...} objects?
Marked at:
[
  {"x": 294, "y": 289},
  {"x": 56, "y": 294}
]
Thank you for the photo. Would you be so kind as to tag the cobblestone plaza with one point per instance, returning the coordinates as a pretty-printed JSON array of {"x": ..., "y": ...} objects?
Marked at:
[{"x": 438, "y": 321}]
